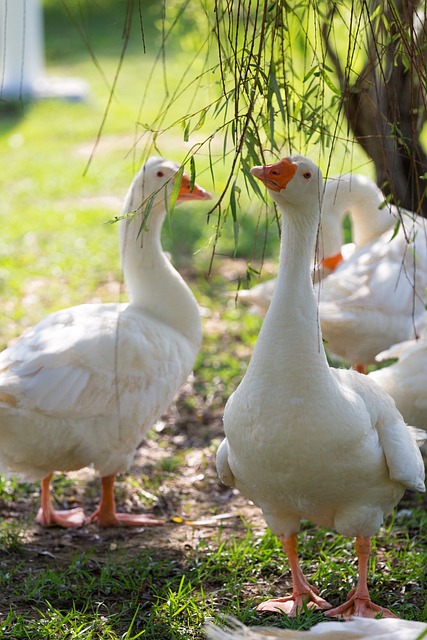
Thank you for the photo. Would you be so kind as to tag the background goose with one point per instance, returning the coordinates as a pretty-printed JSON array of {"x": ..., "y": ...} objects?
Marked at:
[
  {"x": 406, "y": 379},
  {"x": 365, "y": 456},
  {"x": 377, "y": 297},
  {"x": 349, "y": 193},
  {"x": 356, "y": 629},
  {"x": 86, "y": 383}
]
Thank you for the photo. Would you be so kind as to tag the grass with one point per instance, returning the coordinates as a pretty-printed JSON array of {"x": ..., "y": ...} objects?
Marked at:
[
  {"x": 56, "y": 250},
  {"x": 168, "y": 598}
]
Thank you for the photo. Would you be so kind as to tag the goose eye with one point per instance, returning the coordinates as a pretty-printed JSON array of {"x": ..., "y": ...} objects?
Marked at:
[
  {"x": 160, "y": 174},
  {"x": 307, "y": 175}
]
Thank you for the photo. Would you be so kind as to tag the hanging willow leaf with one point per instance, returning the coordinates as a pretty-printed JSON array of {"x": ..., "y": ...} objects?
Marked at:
[
  {"x": 186, "y": 127},
  {"x": 278, "y": 94},
  {"x": 201, "y": 119},
  {"x": 249, "y": 178},
  {"x": 211, "y": 164},
  {"x": 233, "y": 207},
  {"x": 192, "y": 173},
  {"x": 175, "y": 190},
  {"x": 146, "y": 213},
  {"x": 395, "y": 230},
  {"x": 330, "y": 84}
]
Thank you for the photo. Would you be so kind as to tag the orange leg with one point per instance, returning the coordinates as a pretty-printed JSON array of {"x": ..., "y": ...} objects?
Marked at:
[
  {"x": 47, "y": 516},
  {"x": 302, "y": 592},
  {"x": 107, "y": 516},
  {"x": 359, "y": 602}
]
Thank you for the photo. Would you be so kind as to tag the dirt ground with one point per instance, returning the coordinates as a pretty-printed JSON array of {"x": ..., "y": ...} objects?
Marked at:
[
  {"x": 190, "y": 499},
  {"x": 173, "y": 478}
]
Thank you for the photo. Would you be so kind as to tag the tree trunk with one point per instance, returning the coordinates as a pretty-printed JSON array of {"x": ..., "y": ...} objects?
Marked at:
[{"x": 386, "y": 106}]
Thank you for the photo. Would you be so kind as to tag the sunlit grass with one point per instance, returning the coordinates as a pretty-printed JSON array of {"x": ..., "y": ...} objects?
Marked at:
[
  {"x": 172, "y": 599},
  {"x": 56, "y": 250}
]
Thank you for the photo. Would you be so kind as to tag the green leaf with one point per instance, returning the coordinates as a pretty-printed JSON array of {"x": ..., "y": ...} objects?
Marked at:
[
  {"x": 309, "y": 73},
  {"x": 211, "y": 164},
  {"x": 186, "y": 127},
  {"x": 146, "y": 213},
  {"x": 175, "y": 190},
  {"x": 331, "y": 85},
  {"x": 192, "y": 173},
  {"x": 235, "y": 190},
  {"x": 201, "y": 119},
  {"x": 278, "y": 94},
  {"x": 395, "y": 230}
]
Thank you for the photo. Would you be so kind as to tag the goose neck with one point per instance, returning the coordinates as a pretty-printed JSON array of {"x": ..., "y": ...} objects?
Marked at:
[
  {"x": 141, "y": 252},
  {"x": 152, "y": 282},
  {"x": 296, "y": 251},
  {"x": 291, "y": 326}
]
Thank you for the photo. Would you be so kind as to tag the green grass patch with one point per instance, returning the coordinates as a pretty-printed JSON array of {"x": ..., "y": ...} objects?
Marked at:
[
  {"x": 57, "y": 250},
  {"x": 155, "y": 596}
]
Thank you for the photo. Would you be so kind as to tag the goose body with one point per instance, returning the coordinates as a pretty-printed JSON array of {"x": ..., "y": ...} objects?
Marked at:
[
  {"x": 86, "y": 383},
  {"x": 356, "y": 629},
  {"x": 348, "y": 193},
  {"x": 378, "y": 296},
  {"x": 364, "y": 458},
  {"x": 406, "y": 379}
]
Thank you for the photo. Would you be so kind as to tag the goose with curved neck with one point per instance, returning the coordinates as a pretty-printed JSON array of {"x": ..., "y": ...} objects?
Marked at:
[
  {"x": 349, "y": 193},
  {"x": 365, "y": 456},
  {"x": 377, "y": 297},
  {"x": 85, "y": 385},
  {"x": 151, "y": 280},
  {"x": 364, "y": 201}
]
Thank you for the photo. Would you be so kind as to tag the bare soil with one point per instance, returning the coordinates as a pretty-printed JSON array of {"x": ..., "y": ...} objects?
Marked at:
[
  {"x": 173, "y": 478},
  {"x": 190, "y": 500}
]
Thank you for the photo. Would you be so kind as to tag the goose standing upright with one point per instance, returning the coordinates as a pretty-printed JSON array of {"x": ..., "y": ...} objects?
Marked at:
[
  {"x": 86, "y": 383},
  {"x": 365, "y": 456}
]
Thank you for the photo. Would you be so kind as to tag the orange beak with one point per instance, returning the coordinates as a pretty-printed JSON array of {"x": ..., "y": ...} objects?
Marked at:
[
  {"x": 275, "y": 176},
  {"x": 196, "y": 193},
  {"x": 332, "y": 262}
]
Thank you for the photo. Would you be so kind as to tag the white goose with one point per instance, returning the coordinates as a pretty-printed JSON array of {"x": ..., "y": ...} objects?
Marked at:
[
  {"x": 406, "y": 379},
  {"x": 356, "y": 629},
  {"x": 349, "y": 193},
  {"x": 86, "y": 383},
  {"x": 377, "y": 297},
  {"x": 365, "y": 456}
]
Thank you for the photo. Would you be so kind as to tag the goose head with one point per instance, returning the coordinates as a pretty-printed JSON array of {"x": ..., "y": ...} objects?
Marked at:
[
  {"x": 292, "y": 182},
  {"x": 143, "y": 213},
  {"x": 154, "y": 183}
]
